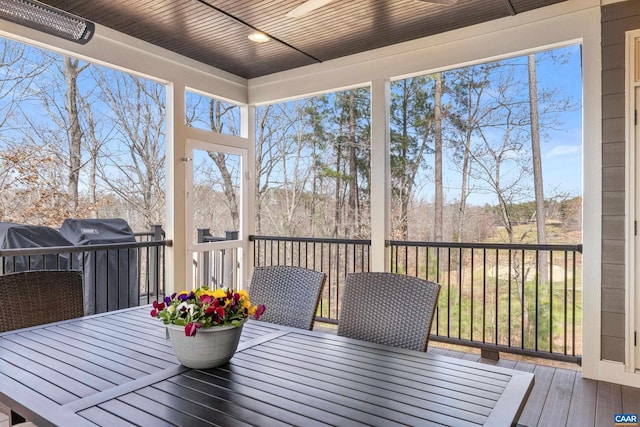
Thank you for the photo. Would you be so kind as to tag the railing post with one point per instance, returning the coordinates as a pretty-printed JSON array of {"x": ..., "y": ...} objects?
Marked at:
[
  {"x": 231, "y": 261},
  {"x": 157, "y": 233},
  {"x": 204, "y": 261}
]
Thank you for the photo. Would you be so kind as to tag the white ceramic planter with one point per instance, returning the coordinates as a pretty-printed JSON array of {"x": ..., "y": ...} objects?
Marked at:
[{"x": 208, "y": 348}]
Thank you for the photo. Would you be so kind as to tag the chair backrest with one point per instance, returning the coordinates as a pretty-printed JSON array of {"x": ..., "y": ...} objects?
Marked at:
[
  {"x": 290, "y": 294},
  {"x": 33, "y": 298},
  {"x": 388, "y": 308}
]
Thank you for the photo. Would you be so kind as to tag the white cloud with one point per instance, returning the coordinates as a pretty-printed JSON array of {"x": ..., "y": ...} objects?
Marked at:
[{"x": 563, "y": 150}]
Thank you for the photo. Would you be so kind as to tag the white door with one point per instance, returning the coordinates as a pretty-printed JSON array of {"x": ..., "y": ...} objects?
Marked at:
[{"x": 216, "y": 195}]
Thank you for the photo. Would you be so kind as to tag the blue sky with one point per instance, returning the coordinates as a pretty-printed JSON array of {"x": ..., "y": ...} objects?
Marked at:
[
  {"x": 562, "y": 150},
  {"x": 561, "y": 147}
]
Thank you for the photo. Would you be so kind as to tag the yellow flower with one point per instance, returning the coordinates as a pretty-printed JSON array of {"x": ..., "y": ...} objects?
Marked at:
[
  {"x": 252, "y": 310},
  {"x": 243, "y": 293},
  {"x": 219, "y": 293}
]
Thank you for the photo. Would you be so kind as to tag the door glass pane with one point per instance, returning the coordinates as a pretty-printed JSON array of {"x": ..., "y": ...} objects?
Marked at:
[
  {"x": 216, "y": 195},
  {"x": 210, "y": 113}
]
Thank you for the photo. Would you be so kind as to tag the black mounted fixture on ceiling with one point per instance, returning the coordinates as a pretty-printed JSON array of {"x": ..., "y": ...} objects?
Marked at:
[{"x": 41, "y": 17}]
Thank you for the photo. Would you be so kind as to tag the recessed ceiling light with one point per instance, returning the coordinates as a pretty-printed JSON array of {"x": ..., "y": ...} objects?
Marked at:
[{"x": 259, "y": 37}]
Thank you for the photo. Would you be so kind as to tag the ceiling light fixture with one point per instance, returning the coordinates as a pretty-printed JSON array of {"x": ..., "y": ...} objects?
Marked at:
[
  {"x": 50, "y": 20},
  {"x": 258, "y": 37}
]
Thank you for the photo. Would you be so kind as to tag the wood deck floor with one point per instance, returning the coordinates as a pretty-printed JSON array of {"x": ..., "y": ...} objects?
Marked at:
[{"x": 560, "y": 397}]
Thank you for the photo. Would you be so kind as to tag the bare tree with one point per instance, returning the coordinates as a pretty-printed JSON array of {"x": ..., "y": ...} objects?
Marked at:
[
  {"x": 71, "y": 71},
  {"x": 353, "y": 224},
  {"x": 20, "y": 65},
  {"x": 134, "y": 168},
  {"x": 537, "y": 163},
  {"x": 283, "y": 167},
  {"x": 412, "y": 123},
  {"x": 32, "y": 186},
  {"x": 93, "y": 144},
  {"x": 216, "y": 113},
  {"x": 437, "y": 117},
  {"x": 60, "y": 134},
  {"x": 466, "y": 115}
]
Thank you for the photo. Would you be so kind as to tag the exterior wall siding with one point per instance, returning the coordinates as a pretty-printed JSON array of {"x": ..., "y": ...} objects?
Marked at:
[{"x": 617, "y": 18}]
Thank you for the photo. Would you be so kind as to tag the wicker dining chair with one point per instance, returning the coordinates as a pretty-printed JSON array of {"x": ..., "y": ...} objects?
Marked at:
[
  {"x": 388, "y": 308},
  {"x": 290, "y": 294},
  {"x": 33, "y": 298}
]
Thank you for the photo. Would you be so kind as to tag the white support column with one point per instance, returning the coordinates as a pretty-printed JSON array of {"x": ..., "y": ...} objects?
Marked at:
[
  {"x": 380, "y": 174},
  {"x": 592, "y": 196},
  {"x": 178, "y": 270},
  {"x": 249, "y": 193}
]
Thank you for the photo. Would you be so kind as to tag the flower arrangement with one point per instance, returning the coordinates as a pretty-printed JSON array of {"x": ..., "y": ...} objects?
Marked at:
[{"x": 205, "y": 308}]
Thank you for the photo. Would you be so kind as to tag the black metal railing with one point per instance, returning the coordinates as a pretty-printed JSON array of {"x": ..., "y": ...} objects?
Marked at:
[
  {"x": 493, "y": 296},
  {"x": 116, "y": 275},
  {"x": 335, "y": 257},
  {"x": 517, "y": 298}
]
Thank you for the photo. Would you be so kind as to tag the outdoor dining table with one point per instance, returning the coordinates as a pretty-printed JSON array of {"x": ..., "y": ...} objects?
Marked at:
[{"x": 118, "y": 369}]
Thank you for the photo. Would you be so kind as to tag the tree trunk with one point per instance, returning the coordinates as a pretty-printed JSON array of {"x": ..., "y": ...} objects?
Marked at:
[
  {"x": 462, "y": 204},
  {"x": 257, "y": 169},
  {"x": 404, "y": 207},
  {"x": 438, "y": 202},
  {"x": 71, "y": 72},
  {"x": 537, "y": 167},
  {"x": 220, "y": 161},
  {"x": 338, "y": 199},
  {"x": 352, "y": 220},
  {"x": 93, "y": 149}
]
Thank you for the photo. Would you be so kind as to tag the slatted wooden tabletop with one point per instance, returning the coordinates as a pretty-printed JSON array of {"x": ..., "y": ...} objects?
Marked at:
[{"x": 117, "y": 369}]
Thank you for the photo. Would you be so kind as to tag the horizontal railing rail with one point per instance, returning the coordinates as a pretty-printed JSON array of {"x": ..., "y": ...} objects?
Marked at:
[
  {"x": 335, "y": 257},
  {"x": 217, "y": 266},
  {"x": 493, "y": 296},
  {"x": 155, "y": 233},
  {"x": 116, "y": 275}
]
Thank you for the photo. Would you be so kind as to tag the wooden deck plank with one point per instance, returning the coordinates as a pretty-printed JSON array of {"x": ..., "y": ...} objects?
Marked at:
[
  {"x": 438, "y": 350},
  {"x": 525, "y": 366},
  {"x": 556, "y": 407},
  {"x": 503, "y": 363},
  {"x": 608, "y": 402},
  {"x": 472, "y": 357},
  {"x": 582, "y": 411},
  {"x": 538, "y": 396},
  {"x": 630, "y": 400},
  {"x": 453, "y": 353}
]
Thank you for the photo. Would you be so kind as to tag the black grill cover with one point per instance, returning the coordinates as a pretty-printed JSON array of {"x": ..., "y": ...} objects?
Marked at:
[
  {"x": 111, "y": 276},
  {"x": 22, "y": 236}
]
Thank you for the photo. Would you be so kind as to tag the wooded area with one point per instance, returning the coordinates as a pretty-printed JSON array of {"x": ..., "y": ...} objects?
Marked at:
[{"x": 82, "y": 140}]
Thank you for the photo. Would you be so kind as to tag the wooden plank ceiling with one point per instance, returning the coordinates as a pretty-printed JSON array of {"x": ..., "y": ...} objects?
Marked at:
[{"x": 215, "y": 31}]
